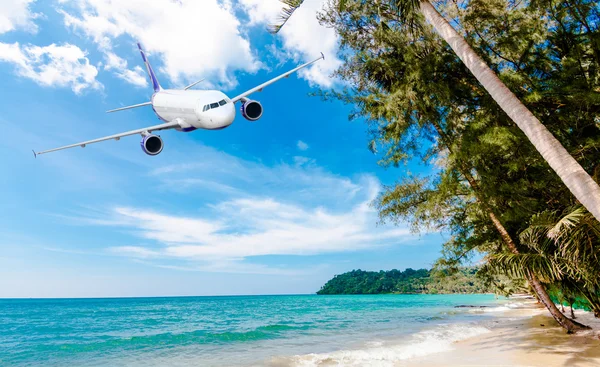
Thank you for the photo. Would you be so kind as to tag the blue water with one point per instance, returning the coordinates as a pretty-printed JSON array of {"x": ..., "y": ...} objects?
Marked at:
[{"x": 221, "y": 331}]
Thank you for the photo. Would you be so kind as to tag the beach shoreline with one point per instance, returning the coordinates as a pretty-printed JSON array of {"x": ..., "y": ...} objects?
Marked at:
[
  {"x": 525, "y": 335},
  {"x": 518, "y": 333}
]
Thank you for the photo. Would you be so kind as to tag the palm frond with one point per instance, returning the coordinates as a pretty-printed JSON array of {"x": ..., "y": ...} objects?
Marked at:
[
  {"x": 565, "y": 223},
  {"x": 408, "y": 12},
  {"x": 517, "y": 265},
  {"x": 289, "y": 7},
  {"x": 536, "y": 235}
]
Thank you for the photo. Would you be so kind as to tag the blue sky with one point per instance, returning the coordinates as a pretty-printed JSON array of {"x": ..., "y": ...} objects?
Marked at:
[{"x": 275, "y": 206}]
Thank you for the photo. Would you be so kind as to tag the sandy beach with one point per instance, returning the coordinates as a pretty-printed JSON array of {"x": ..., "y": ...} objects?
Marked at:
[
  {"x": 523, "y": 336},
  {"x": 517, "y": 333}
]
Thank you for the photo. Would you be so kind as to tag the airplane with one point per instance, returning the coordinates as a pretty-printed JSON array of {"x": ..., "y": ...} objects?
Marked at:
[{"x": 187, "y": 110}]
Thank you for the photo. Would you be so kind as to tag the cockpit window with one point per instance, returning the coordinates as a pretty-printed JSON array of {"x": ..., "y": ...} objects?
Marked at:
[{"x": 214, "y": 105}]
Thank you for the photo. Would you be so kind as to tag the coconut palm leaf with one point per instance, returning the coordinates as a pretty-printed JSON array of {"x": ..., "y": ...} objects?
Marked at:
[
  {"x": 289, "y": 7},
  {"x": 517, "y": 265},
  {"x": 406, "y": 11},
  {"x": 565, "y": 223}
]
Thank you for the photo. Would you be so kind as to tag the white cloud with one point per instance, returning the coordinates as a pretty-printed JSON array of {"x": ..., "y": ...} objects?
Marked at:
[
  {"x": 137, "y": 252},
  {"x": 302, "y": 145},
  {"x": 256, "y": 226},
  {"x": 53, "y": 65},
  {"x": 15, "y": 14},
  {"x": 302, "y": 36},
  {"x": 194, "y": 38},
  {"x": 262, "y": 11},
  {"x": 137, "y": 76},
  {"x": 224, "y": 174},
  {"x": 246, "y": 210},
  {"x": 291, "y": 210},
  {"x": 300, "y": 160}
]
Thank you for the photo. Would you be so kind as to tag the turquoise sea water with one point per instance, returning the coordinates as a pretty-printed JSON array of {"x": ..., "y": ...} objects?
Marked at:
[{"x": 244, "y": 330}]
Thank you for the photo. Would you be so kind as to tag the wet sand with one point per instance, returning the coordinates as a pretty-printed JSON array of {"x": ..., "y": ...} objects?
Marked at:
[{"x": 526, "y": 336}]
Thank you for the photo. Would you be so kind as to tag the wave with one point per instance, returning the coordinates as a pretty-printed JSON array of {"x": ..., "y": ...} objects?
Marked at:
[
  {"x": 436, "y": 340},
  {"x": 503, "y": 308},
  {"x": 490, "y": 309}
]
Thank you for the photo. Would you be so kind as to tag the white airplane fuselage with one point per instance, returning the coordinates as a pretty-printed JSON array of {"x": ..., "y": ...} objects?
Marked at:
[{"x": 189, "y": 108}]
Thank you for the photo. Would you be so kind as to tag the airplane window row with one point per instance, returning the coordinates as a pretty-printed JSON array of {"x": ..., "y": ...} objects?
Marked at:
[{"x": 214, "y": 105}]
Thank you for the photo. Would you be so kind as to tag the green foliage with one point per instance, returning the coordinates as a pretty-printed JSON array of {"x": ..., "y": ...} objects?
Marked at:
[
  {"x": 289, "y": 7},
  {"x": 488, "y": 187},
  {"x": 564, "y": 252},
  {"x": 407, "y": 281},
  {"x": 422, "y": 104}
]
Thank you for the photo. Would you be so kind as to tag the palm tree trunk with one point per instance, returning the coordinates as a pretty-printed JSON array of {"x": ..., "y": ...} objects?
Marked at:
[
  {"x": 579, "y": 182},
  {"x": 570, "y": 325},
  {"x": 591, "y": 297},
  {"x": 538, "y": 288}
]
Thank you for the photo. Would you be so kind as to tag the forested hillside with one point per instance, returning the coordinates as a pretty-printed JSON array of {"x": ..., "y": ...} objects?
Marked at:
[{"x": 407, "y": 281}]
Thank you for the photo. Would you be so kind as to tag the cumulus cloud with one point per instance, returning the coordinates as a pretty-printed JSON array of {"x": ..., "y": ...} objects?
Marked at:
[
  {"x": 302, "y": 145},
  {"x": 262, "y": 12},
  {"x": 54, "y": 65},
  {"x": 256, "y": 226},
  {"x": 303, "y": 38},
  {"x": 194, "y": 38},
  {"x": 284, "y": 209},
  {"x": 15, "y": 14},
  {"x": 137, "y": 76}
]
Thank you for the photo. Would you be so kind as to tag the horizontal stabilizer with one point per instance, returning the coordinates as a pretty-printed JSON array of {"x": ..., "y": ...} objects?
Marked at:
[{"x": 130, "y": 107}]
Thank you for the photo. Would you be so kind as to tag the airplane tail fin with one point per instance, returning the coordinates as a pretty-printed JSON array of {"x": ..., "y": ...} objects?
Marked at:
[{"x": 155, "y": 83}]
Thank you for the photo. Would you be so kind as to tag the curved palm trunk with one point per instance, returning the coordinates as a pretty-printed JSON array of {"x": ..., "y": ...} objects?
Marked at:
[
  {"x": 579, "y": 182},
  {"x": 570, "y": 325},
  {"x": 591, "y": 298},
  {"x": 538, "y": 288}
]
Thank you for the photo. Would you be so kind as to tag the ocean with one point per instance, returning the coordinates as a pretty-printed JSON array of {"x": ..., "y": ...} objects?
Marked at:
[{"x": 303, "y": 330}]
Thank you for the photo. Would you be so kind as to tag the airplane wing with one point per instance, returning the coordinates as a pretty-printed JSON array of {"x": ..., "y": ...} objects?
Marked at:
[
  {"x": 168, "y": 125},
  {"x": 130, "y": 107},
  {"x": 260, "y": 87}
]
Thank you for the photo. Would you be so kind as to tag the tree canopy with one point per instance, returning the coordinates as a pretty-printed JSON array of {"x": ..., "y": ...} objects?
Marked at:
[
  {"x": 488, "y": 187},
  {"x": 408, "y": 281}
]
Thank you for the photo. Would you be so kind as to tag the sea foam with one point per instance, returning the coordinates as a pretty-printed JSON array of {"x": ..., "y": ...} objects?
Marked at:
[{"x": 383, "y": 354}]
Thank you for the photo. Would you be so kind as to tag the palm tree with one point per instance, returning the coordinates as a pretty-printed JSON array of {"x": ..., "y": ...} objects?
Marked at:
[
  {"x": 537, "y": 286},
  {"x": 563, "y": 252},
  {"x": 579, "y": 182}
]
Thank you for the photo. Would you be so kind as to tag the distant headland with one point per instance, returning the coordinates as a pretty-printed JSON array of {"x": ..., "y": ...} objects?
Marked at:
[{"x": 409, "y": 281}]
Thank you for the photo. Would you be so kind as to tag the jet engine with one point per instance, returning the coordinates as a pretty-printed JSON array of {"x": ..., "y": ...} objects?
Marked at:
[
  {"x": 152, "y": 144},
  {"x": 252, "y": 110}
]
